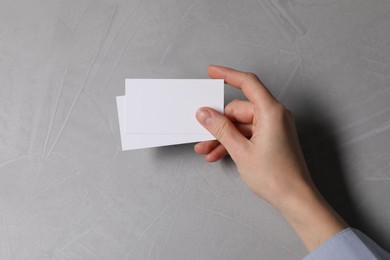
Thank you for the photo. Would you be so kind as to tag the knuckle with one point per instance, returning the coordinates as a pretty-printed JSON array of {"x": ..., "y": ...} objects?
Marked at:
[
  {"x": 250, "y": 76},
  {"x": 234, "y": 101},
  {"x": 229, "y": 108},
  {"x": 221, "y": 129},
  {"x": 279, "y": 111}
]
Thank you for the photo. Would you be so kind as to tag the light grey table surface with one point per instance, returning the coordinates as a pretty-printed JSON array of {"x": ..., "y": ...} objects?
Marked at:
[{"x": 67, "y": 191}]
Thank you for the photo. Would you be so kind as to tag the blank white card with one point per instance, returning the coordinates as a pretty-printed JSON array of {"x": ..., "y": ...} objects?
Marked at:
[
  {"x": 160, "y": 112},
  {"x": 168, "y": 106}
]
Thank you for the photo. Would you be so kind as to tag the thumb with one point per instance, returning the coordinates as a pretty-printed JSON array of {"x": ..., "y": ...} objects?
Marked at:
[{"x": 222, "y": 129}]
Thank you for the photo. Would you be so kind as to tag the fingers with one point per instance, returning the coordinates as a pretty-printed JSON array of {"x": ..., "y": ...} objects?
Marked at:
[
  {"x": 218, "y": 153},
  {"x": 213, "y": 150},
  {"x": 223, "y": 130},
  {"x": 249, "y": 83},
  {"x": 240, "y": 111},
  {"x": 206, "y": 147}
]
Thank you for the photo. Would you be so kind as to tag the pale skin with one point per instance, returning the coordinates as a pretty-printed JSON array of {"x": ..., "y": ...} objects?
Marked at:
[{"x": 260, "y": 136}]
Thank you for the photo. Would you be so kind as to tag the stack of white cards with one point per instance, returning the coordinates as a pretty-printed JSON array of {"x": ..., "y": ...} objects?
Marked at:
[{"x": 160, "y": 112}]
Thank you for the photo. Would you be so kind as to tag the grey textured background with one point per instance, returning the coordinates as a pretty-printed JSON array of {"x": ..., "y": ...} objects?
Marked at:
[{"x": 67, "y": 191}]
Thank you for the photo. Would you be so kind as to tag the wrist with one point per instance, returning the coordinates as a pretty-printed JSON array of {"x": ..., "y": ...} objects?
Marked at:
[{"x": 311, "y": 216}]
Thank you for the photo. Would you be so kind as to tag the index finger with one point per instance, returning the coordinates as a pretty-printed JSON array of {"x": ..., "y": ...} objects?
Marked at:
[{"x": 249, "y": 83}]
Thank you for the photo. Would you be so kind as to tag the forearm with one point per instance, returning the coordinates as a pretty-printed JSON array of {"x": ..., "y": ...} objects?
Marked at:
[{"x": 310, "y": 216}]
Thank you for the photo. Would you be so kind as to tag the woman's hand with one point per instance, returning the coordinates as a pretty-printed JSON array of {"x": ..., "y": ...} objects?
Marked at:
[{"x": 260, "y": 136}]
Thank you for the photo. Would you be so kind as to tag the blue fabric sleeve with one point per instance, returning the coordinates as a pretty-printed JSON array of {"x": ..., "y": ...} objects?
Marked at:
[{"x": 348, "y": 244}]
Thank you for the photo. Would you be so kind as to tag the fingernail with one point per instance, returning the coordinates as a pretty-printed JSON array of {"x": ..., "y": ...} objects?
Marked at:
[{"x": 203, "y": 116}]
